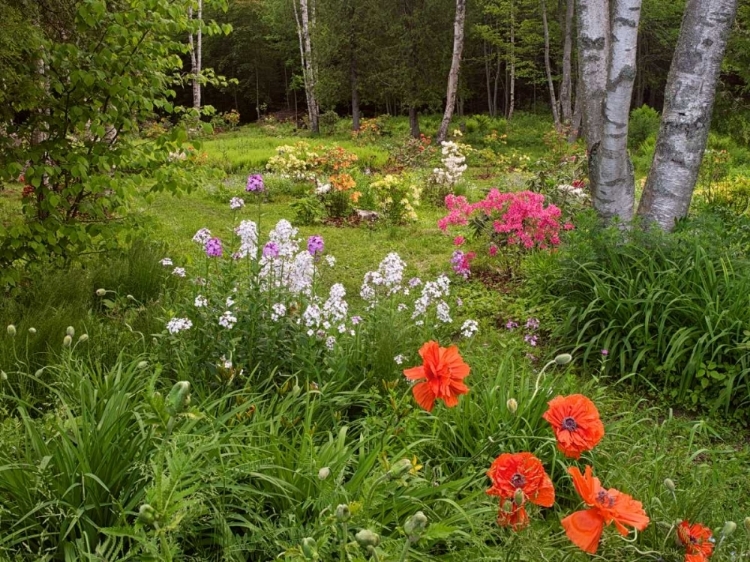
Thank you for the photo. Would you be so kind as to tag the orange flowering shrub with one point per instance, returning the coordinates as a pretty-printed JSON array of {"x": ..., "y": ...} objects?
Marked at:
[{"x": 342, "y": 182}]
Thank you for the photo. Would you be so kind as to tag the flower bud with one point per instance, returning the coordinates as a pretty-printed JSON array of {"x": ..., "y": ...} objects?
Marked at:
[
  {"x": 399, "y": 469},
  {"x": 130, "y": 297},
  {"x": 729, "y": 528},
  {"x": 366, "y": 538},
  {"x": 563, "y": 359},
  {"x": 507, "y": 506},
  {"x": 296, "y": 390},
  {"x": 3, "y": 375},
  {"x": 746, "y": 522},
  {"x": 11, "y": 330},
  {"x": 518, "y": 497},
  {"x": 146, "y": 514},
  {"x": 71, "y": 331},
  {"x": 343, "y": 513},
  {"x": 142, "y": 365},
  {"x": 415, "y": 526},
  {"x": 309, "y": 548},
  {"x": 32, "y": 331},
  {"x": 83, "y": 338},
  {"x": 669, "y": 485},
  {"x": 178, "y": 398},
  {"x": 512, "y": 405},
  {"x": 67, "y": 340},
  {"x": 100, "y": 292},
  {"x": 39, "y": 373},
  {"x": 324, "y": 473}
]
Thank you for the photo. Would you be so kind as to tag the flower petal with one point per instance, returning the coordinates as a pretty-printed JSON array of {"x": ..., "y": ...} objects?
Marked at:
[{"x": 584, "y": 529}]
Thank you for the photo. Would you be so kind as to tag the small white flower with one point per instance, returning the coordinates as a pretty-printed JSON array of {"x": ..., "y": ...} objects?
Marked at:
[
  {"x": 236, "y": 203},
  {"x": 227, "y": 363},
  {"x": 323, "y": 189},
  {"x": 202, "y": 236},
  {"x": 469, "y": 328},
  {"x": 330, "y": 343},
  {"x": 230, "y": 301},
  {"x": 330, "y": 260},
  {"x": 278, "y": 310},
  {"x": 401, "y": 307},
  {"x": 227, "y": 320},
  {"x": 399, "y": 359},
  {"x": 179, "y": 271},
  {"x": 166, "y": 262},
  {"x": 201, "y": 301},
  {"x": 176, "y": 325}
]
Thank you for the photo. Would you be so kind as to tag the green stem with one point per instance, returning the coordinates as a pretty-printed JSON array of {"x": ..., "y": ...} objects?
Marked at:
[
  {"x": 345, "y": 530},
  {"x": 404, "y": 552}
]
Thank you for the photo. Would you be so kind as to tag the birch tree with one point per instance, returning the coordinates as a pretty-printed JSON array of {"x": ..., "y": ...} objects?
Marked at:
[
  {"x": 196, "y": 55},
  {"x": 566, "y": 86},
  {"x": 548, "y": 69},
  {"x": 458, "y": 47},
  {"x": 304, "y": 14},
  {"x": 686, "y": 119}
]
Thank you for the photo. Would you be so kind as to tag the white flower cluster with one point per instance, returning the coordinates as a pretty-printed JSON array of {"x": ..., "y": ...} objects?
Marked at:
[
  {"x": 236, "y": 203},
  {"x": 201, "y": 301},
  {"x": 389, "y": 276},
  {"x": 179, "y": 271},
  {"x": 202, "y": 236},
  {"x": 278, "y": 311},
  {"x": 248, "y": 233},
  {"x": 227, "y": 320},
  {"x": 332, "y": 316},
  {"x": 454, "y": 165},
  {"x": 166, "y": 262},
  {"x": 573, "y": 191},
  {"x": 469, "y": 328},
  {"x": 176, "y": 325},
  {"x": 434, "y": 292}
]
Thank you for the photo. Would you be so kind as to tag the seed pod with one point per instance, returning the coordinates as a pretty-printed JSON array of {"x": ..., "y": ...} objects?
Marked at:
[
  {"x": 746, "y": 522},
  {"x": 518, "y": 497},
  {"x": 100, "y": 292},
  {"x": 84, "y": 338},
  {"x": 729, "y": 528},
  {"x": 669, "y": 485},
  {"x": 142, "y": 365},
  {"x": 32, "y": 331}
]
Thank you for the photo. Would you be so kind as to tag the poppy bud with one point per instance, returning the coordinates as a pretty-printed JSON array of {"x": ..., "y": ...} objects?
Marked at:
[
  {"x": 512, "y": 405},
  {"x": 669, "y": 485},
  {"x": 178, "y": 398},
  {"x": 130, "y": 297},
  {"x": 142, "y": 365},
  {"x": 399, "y": 469},
  {"x": 296, "y": 390},
  {"x": 67, "y": 340},
  {"x": 507, "y": 506},
  {"x": 146, "y": 514},
  {"x": 366, "y": 538},
  {"x": 563, "y": 359},
  {"x": 11, "y": 330},
  {"x": 518, "y": 497},
  {"x": 3, "y": 375},
  {"x": 100, "y": 292},
  {"x": 39, "y": 373},
  {"x": 71, "y": 331},
  {"x": 343, "y": 513},
  {"x": 415, "y": 526},
  {"x": 729, "y": 528},
  {"x": 309, "y": 548},
  {"x": 83, "y": 338},
  {"x": 32, "y": 331},
  {"x": 324, "y": 473},
  {"x": 746, "y": 522}
]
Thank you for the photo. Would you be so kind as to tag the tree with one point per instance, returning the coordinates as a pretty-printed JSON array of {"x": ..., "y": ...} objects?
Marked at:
[
  {"x": 305, "y": 19},
  {"x": 458, "y": 46},
  {"x": 196, "y": 55},
  {"x": 548, "y": 69},
  {"x": 686, "y": 120},
  {"x": 566, "y": 87}
]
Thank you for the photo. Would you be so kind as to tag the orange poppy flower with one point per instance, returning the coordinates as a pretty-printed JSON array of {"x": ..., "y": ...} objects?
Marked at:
[
  {"x": 584, "y": 528},
  {"x": 575, "y": 421},
  {"x": 697, "y": 541},
  {"x": 510, "y": 473},
  {"x": 443, "y": 372}
]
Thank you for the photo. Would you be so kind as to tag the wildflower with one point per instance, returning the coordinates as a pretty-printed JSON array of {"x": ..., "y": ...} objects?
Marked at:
[
  {"x": 575, "y": 421},
  {"x": 179, "y": 271},
  {"x": 227, "y": 320},
  {"x": 469, "y": 328},
  {"x": 271, "y": 250},
  {"x": 201, "y": 301},
  {"x": 331, "y": 261},
  {"x": 584, "y": 528},
  {"x": 443, "y": 312},
  {"x": 213, "y": 248},
  {"x": 519, "y": 477},
  {"x": 278, "y": 310},
  {"x": 323, "y": 189},
  {"x": 248, "y": 234},
  {"x": 236, "y": 203},
  {"x": 176, "y": 325},
  {"x": 255, "y": 183},
  {"x": 697, "y": 540},
  {"x": 605, "y": 352},
  {"x": 511, "y": 325},
  {"x": 493, "y": 250},
  {"x": 356, "y": 320},
  {"x": 200, "y": 237},
  {"x": 531, "y": 339},
  {"x": 459, "y": 241},
  {"x": 399, "y": 359},
  {"x": 443, "y": 372},
  {"x": 315, "y": 245},
  {"x": 461, "y": 263},
  {"x": 532, "y": 324}
]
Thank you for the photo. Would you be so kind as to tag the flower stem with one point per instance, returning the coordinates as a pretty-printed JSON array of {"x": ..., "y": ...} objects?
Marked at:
[{"x": 404, "y": 552}]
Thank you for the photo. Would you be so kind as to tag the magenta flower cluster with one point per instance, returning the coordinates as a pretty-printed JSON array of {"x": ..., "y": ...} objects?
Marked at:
[
  {"x": 255, "y": 183},
  {"x": 519, "y": 218},
  {"x": 315, "y": 245},
  {"x": 461, "y": 263},
  {"x": 214, "y": 248}
]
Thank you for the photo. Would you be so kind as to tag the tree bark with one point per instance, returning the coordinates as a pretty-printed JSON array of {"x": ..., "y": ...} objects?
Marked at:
[
  {"x": 593, "y": 52},
  {"x": 414, "y": 122},
  {"x": 512, "y": 102},
  {"x": 196, "y": 55},
  {"x": 575, "y": 125},
  {"x": 566, "y": 87},
  {"x": 611, "y": 174},
  {"x": 458, "y": 47},
  {"x": 548, "y": 69},
  {"x": 487, "y": 75},
  {"x": 355, "y": 96},
  {"x": 686, "y": 119},
  {"x": 307, "y": 15}
]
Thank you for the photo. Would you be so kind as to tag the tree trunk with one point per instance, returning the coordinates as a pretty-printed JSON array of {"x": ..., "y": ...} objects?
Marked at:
[
  {"x": 414, "y": 122},
  {"x": 497, "y": 83},
  {"x": 548, "y": 69},
  {"x": 458, "y": 47},
  {"x": 307, "y": 12},
  {"x": 488, "y": 78},
  {"x": 686, "y": 119},
  {"x": 611, "y": 172},
  {"x": 593, "y": 52},
  {"x": 196, "y": 55},
  {"x": 575, "y": 125},
  {"x": 566, "y": 87},
  {"x": 355, "y": 95},
  {"x": 512, "y": 102}
]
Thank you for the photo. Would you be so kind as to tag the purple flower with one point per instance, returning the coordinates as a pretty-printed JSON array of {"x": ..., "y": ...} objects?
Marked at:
[
  {"x": 315, "y": 244},
  {"x": 271, "y": 250},
  {"x": 530, "y": 339},
  {"x": 532, "y": 323},
  {"x": 214, "y": 248},
  {"x": 510, "y": 325},
  {"x": 605, "y": 352},
  {"x": 356, "y": 320},
  {"x": 255, "y": 183}
]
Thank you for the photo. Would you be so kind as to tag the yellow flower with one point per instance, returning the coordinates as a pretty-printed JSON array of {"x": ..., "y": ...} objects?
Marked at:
[{"x": 415, "y": 466}]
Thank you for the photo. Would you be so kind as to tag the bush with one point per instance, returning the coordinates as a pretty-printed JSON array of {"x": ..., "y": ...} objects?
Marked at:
[{"x": 644, "y": 123}]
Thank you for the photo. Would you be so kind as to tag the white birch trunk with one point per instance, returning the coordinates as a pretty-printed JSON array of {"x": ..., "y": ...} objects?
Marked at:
[
  {"x": 196, "y": 55},
  {"x": 458, "y": 47},
  {"x": 548, "y": 69},
  {"x": 686, "y": 120},
  {"x": 306, "y": 16},
  {"x": 611, "y": 171}
]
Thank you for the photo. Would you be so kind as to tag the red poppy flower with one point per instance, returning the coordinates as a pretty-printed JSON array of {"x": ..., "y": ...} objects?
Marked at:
[
  {"x": 584, "y": 528},
  {"x": 443, "y": 372},
  {"x": 576, "y": 423},
  {"x": 697, "y": 541},
  {"x": 519, "y": 474}
]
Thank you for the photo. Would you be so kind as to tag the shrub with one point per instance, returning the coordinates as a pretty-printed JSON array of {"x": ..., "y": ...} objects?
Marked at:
[
  {"x": 397, "y": 197},
  {"x": 644, "y": 123}
]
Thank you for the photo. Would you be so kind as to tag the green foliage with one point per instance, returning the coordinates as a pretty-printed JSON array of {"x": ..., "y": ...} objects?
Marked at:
[{"x": 644, "y": 123}]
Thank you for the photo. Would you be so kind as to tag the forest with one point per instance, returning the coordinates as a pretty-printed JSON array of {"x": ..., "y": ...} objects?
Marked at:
[{"x": 405, "y": 280}]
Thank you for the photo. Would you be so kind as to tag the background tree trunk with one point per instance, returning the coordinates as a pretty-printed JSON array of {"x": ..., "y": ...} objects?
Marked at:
[
  {"x": 593, "y": 52},
  {"x": 566, "y": 87},
  {"x": 686, "y": 119},
  {"x": 355, "y": 95},
  {"x": 512, "y": 103},
  {"x": 414, "y": 122},
  {"x": 195, "y": 57},
  {"x": 458, "y": 47},
  {"x": 611, "y": 173},
  {"x": 548, "y": 69},
  {"x": 306, "y": 11}
]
